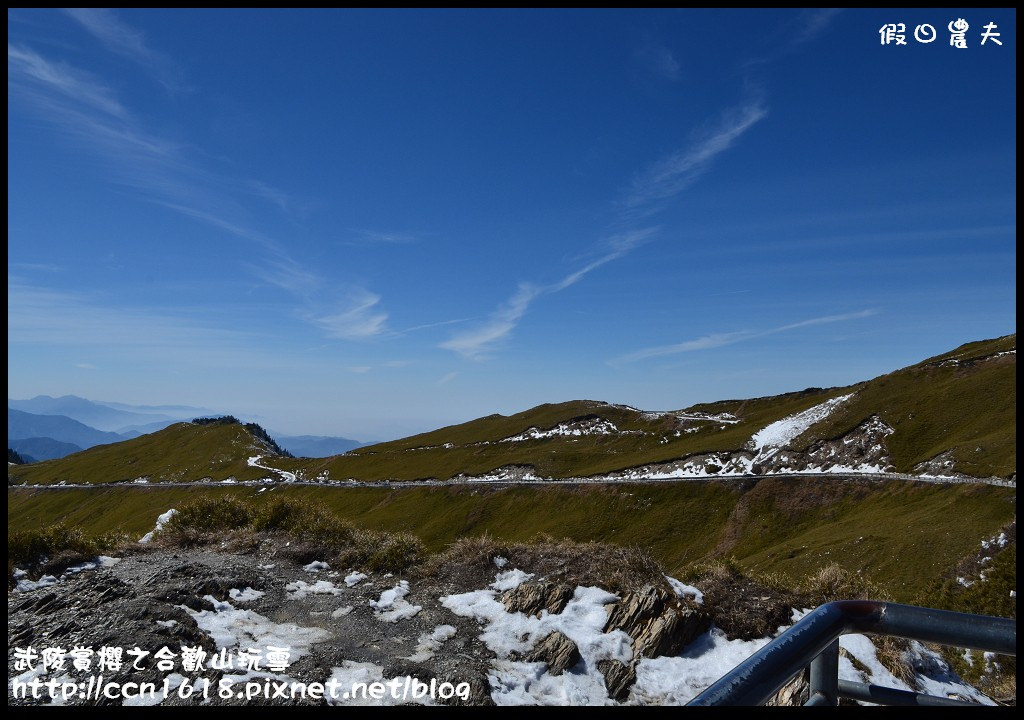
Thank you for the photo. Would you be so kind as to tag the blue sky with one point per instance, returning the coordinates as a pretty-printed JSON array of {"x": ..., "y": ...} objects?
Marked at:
[{"x": 375, "y": 223}]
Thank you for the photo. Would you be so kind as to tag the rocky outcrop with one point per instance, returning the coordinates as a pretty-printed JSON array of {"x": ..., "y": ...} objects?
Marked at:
[
  {"x": 794, "y": 693},
  {"x": 557, "y": 650},
  {"x": 618, "y": 678},
  {"x": 657, "y": 621},
  {"x": 532, "y": 598}
]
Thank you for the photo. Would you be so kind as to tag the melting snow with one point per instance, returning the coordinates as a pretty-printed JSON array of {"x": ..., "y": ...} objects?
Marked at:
[
  {"x": 684, "y": 590},
  {"x": 316, "y": 566},
  {"x": 392, "y": 605},
  {"x": 598, "y": 426},
  {"x": 582, "y": 620},
  {"x": 26, "y": 585},
  {"x": 782, "y": 432},
  {"x": 246, "y": 595},
  {"x": 300, "y": 589},
  {"x": 351, "y": 673},
  {"x": 231, "y": 627},
  {"x": 510, "y": 579},
  {"x": 428, "y": 643},
  {"x": 353, "y": 579},
  {"x": 160, "y": 522}
]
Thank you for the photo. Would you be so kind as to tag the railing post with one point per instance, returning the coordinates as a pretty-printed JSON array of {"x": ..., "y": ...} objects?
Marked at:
[{"x": 824, "y": 686}]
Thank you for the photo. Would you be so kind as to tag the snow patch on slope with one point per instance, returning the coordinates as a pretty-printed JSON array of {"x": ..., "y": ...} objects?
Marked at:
[
  {"x": 781, "y": 432},
  {"x": 160, "y": 522}
]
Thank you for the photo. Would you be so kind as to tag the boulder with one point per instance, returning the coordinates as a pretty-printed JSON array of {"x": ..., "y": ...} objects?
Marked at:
[
  {"x": 531, "y": 598},
  {"x": 618, "y": 678},
  {"x": 557, "y": 650},
  {"x": 657, "y": 621}
]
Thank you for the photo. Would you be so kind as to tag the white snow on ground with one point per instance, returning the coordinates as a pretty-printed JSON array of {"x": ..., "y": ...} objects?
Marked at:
[
  {"x": 352, "y": 672},
  {"x": 502, "y": 474},
  {"x": 582, "y": 620},
  {"x": 316, "y": 566},
  {"x": 510, "y": 579},
  {"x": 25, "y": 585},
  {"x": 300, "y": 589},
  {"x": 660, "y": 681},
  {"x": 174, "y": 680},
  {"x": 684, "y": 590},
  {"x": 933, "y": 674},
  {"x": 392, "y": 605},
  {"x": 285, "y": 475},
  {"x": 354, "y": 578},
  {"x": 341, "y": 612},
  {"x": 999, "y": 540},
  {"x": 246, "y": 595},
  {"x": 677, "y": 680},
  {"x": 782, "y": 432},
  {"x": 428, "y": 643},
  {"x": 500, "y": 562},
  {"x": 101, "y": 561},
  {"x": 720, "y": 465},
  {"x": 231, "y": 627},
  {"x": 598, "y": 426},
  {"x": 722, "y": 418},
  {"x": 160, "y": 522}
]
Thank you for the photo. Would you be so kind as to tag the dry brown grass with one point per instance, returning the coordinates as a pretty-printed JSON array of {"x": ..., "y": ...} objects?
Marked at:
[
  {"x": 833, "y": 582},
  {"x": 469, "y": 562},
  {"x": 892, "y": 653},
  {"x": 743, "y": 606},
  {"x": 306, "y": 532}
]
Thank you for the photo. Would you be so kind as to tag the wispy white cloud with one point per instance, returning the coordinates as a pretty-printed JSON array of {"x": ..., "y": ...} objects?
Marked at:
[
  {"x": 813, "y": 22},
  {"x": 671, "y": 175},
  {"x": 120, "y": 38},
  {"x": 164, "y": 173},
  {"x": 377, "y": 237},
  {"x": 42, "y": 316},
  {"x": 447, "y": 378},
  {"x": 650, "y": 189},
  {"x": 283, "y": 272},
  {"x": 806, "y": 26},
  {"x": 477, "y": 342},
  {"x": 613, "y": 248},
  {"x": 26, "y": 68},
  {"x": 359, "y": 318},
  {"x": 85, "y": 366},
  {"x": 660, "y": 60},
  {"x": 717, "y": 340}
]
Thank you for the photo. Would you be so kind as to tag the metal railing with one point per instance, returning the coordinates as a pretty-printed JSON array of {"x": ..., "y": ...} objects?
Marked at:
[{"x": 814, "y": 642}]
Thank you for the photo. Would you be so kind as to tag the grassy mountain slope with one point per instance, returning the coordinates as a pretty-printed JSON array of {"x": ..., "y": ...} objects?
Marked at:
[
  {"x": 181, "y": 453},
  {"x": 642, "y": 438},
  {"x": 958, "y": 410},
  {"x": 963, "y": 402},
  {"x": 900, "y": 534}
]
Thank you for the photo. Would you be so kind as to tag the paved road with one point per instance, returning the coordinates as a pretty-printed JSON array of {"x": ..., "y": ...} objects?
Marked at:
[{"x": 267, "y": 483}]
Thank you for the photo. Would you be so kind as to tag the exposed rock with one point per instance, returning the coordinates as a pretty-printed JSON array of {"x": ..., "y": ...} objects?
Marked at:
[
  {"x": 557, "y": 650},
  {"x": 618, "y": 678},
  {"x": 657, "y": 621},
  {"x": 533, "y": 597},
  {"x": 479, "y": 691},
  {"x": 794, "y": 693}
]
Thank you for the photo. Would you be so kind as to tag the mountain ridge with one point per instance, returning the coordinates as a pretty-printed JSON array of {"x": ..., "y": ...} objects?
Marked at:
[{"x": 953, "y": 414}]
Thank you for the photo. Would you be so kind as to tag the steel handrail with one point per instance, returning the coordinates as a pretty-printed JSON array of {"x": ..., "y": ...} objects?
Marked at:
[{"x": 764, "y": 673}]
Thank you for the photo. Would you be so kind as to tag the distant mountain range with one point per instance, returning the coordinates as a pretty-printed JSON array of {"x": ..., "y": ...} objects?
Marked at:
[
  {"x": 316, "y": 446},
  {"x": 46, "y": 428},
  {"x": 109, "y": 417}
]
